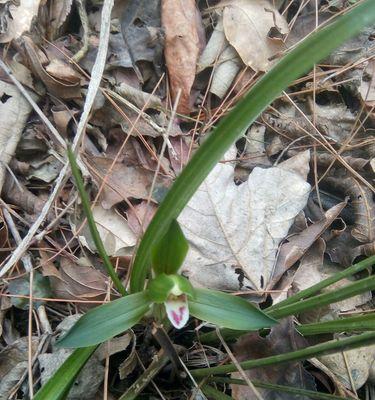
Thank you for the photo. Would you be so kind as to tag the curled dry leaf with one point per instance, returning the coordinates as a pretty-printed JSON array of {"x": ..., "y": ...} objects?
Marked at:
[
  {"x": 221, "y": 55},
  {"x": 58, "y": 10},
  {"x": 234, "y": 231},
  {"x": 14, "y": 111},
  {"x": 182, "y": 25},
  {"x": 247, "y": 26},
  {"x": 19, "y": 19},
  {"x": 363, "y": 205},
  {"x": 59, "y": 88},
  {"x": 117, "y": 237},
  {"x": 296, "y": 246},
  {"x": 74, "y": 281}
]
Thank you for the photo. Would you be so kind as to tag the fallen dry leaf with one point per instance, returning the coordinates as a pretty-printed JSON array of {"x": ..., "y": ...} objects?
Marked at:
[
  {"x": 221, "y": 55},
  {"x": 14, "y": 111},
  {"x": 182, "y": 23},
  {"x": 59, "y": 88},
  {"x": 58, "y": 11},
  {"x": 117, "y": 237},
  {"x": 282, "y": 339},
  {"x": 124, "y": 181},
  {"x": 362, "y": 201},
  {"x": 359, "y": 362},
  {"x": 247, "y": 25},
  {"x": 312, "y": 270},
  {"x": 19, "y": 19},
  {"x": 234, "y": 231},
  {"x": 296, "y": 246},
  {"x": 139, "y": 216}
]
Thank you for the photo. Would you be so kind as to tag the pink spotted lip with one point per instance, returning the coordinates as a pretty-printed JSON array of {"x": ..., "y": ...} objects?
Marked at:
[{"x": 177, "y": 310}]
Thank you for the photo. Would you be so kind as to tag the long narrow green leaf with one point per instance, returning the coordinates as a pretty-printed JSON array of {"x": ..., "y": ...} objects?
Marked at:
[
  {"x": 92, "y": 226},
  {"x": 303, "y": 294},
  {"x": 279, "y": 388},
  {"x": 58, "y": 386},
  {"x": 170, "y": 252},
  {"x": 330, "y": 347},
  {"x": 359, "y": 323},
  {"x": 290, "y": 67},
  {"x": 225, "y": 310},
  {"x": 322, "y": 300},
  {"x": 106, "y": 321}
]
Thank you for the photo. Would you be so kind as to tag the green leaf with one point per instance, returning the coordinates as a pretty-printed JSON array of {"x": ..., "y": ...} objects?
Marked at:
[
  {"x": 106, "y": 321},
  {"x": 161, "y": 287},
  {"x": 91, "y": 222},
  {"x": 170, "y": 251},
  {"x": 330, "y": 347},
  {"x": 316, "y": 46},
  {"x": 228, "y": 311},
  {"x": 347, "y": 324},
  {"x": 58, "y": 386}
]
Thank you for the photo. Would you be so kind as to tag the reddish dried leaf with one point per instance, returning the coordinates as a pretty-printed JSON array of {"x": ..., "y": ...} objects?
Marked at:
[{"x": 182, "y": 25}]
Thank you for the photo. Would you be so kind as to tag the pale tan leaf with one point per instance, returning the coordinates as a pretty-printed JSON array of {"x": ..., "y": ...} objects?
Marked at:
[
  {"x": 359, "y": 362},
  {"x": 247, "y": 25},
  {"x": 117, "y": 237},
  {"x": 234, "y": 231},
  {"x": 21, "y": 19}
]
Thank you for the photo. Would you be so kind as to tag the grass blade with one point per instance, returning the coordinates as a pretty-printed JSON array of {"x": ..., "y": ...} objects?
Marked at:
[
  {"x": 92, "y": 225},
  {"x": 330, "y": 347},
  {"x": 350, "y": 324},
  {"x": 58, "y": 386},
  {"x": 279, "y": 388},
  {"x": 293, "y": 65},
  {"x": 325, "y": 299},
  {"x": 303, "y": 294}
]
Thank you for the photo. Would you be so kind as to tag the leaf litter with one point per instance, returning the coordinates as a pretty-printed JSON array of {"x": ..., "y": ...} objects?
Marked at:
[{"x": 279, "y": 213}]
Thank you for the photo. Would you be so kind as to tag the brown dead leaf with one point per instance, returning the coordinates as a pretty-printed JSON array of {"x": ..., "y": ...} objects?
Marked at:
[
  {"x": 58, "y": 12},
  {"x": 297, "y": 245},
  {"x": 363, "y": 205},
  {"x": 58, "y": 88},
  {"x": 124, "y": 181},
  {"x": 139, "y": 216},
  {"x": 73, "y": 281},
  {"x": 178, "y": 153},
  {"x": 282, "y": 339},
  {"x": 182, "y": 24},
  {"x": 247, "y": 26}
]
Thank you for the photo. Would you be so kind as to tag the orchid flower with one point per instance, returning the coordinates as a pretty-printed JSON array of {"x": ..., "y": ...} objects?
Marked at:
[{"x": 174, "y": 292}]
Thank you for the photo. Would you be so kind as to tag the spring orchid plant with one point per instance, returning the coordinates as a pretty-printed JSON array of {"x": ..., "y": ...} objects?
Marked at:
[{"x": 176, "y": 296}]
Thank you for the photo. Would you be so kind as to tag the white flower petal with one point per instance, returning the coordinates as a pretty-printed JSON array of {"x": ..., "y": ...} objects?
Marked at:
[{"x": 177, "y": 311}]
